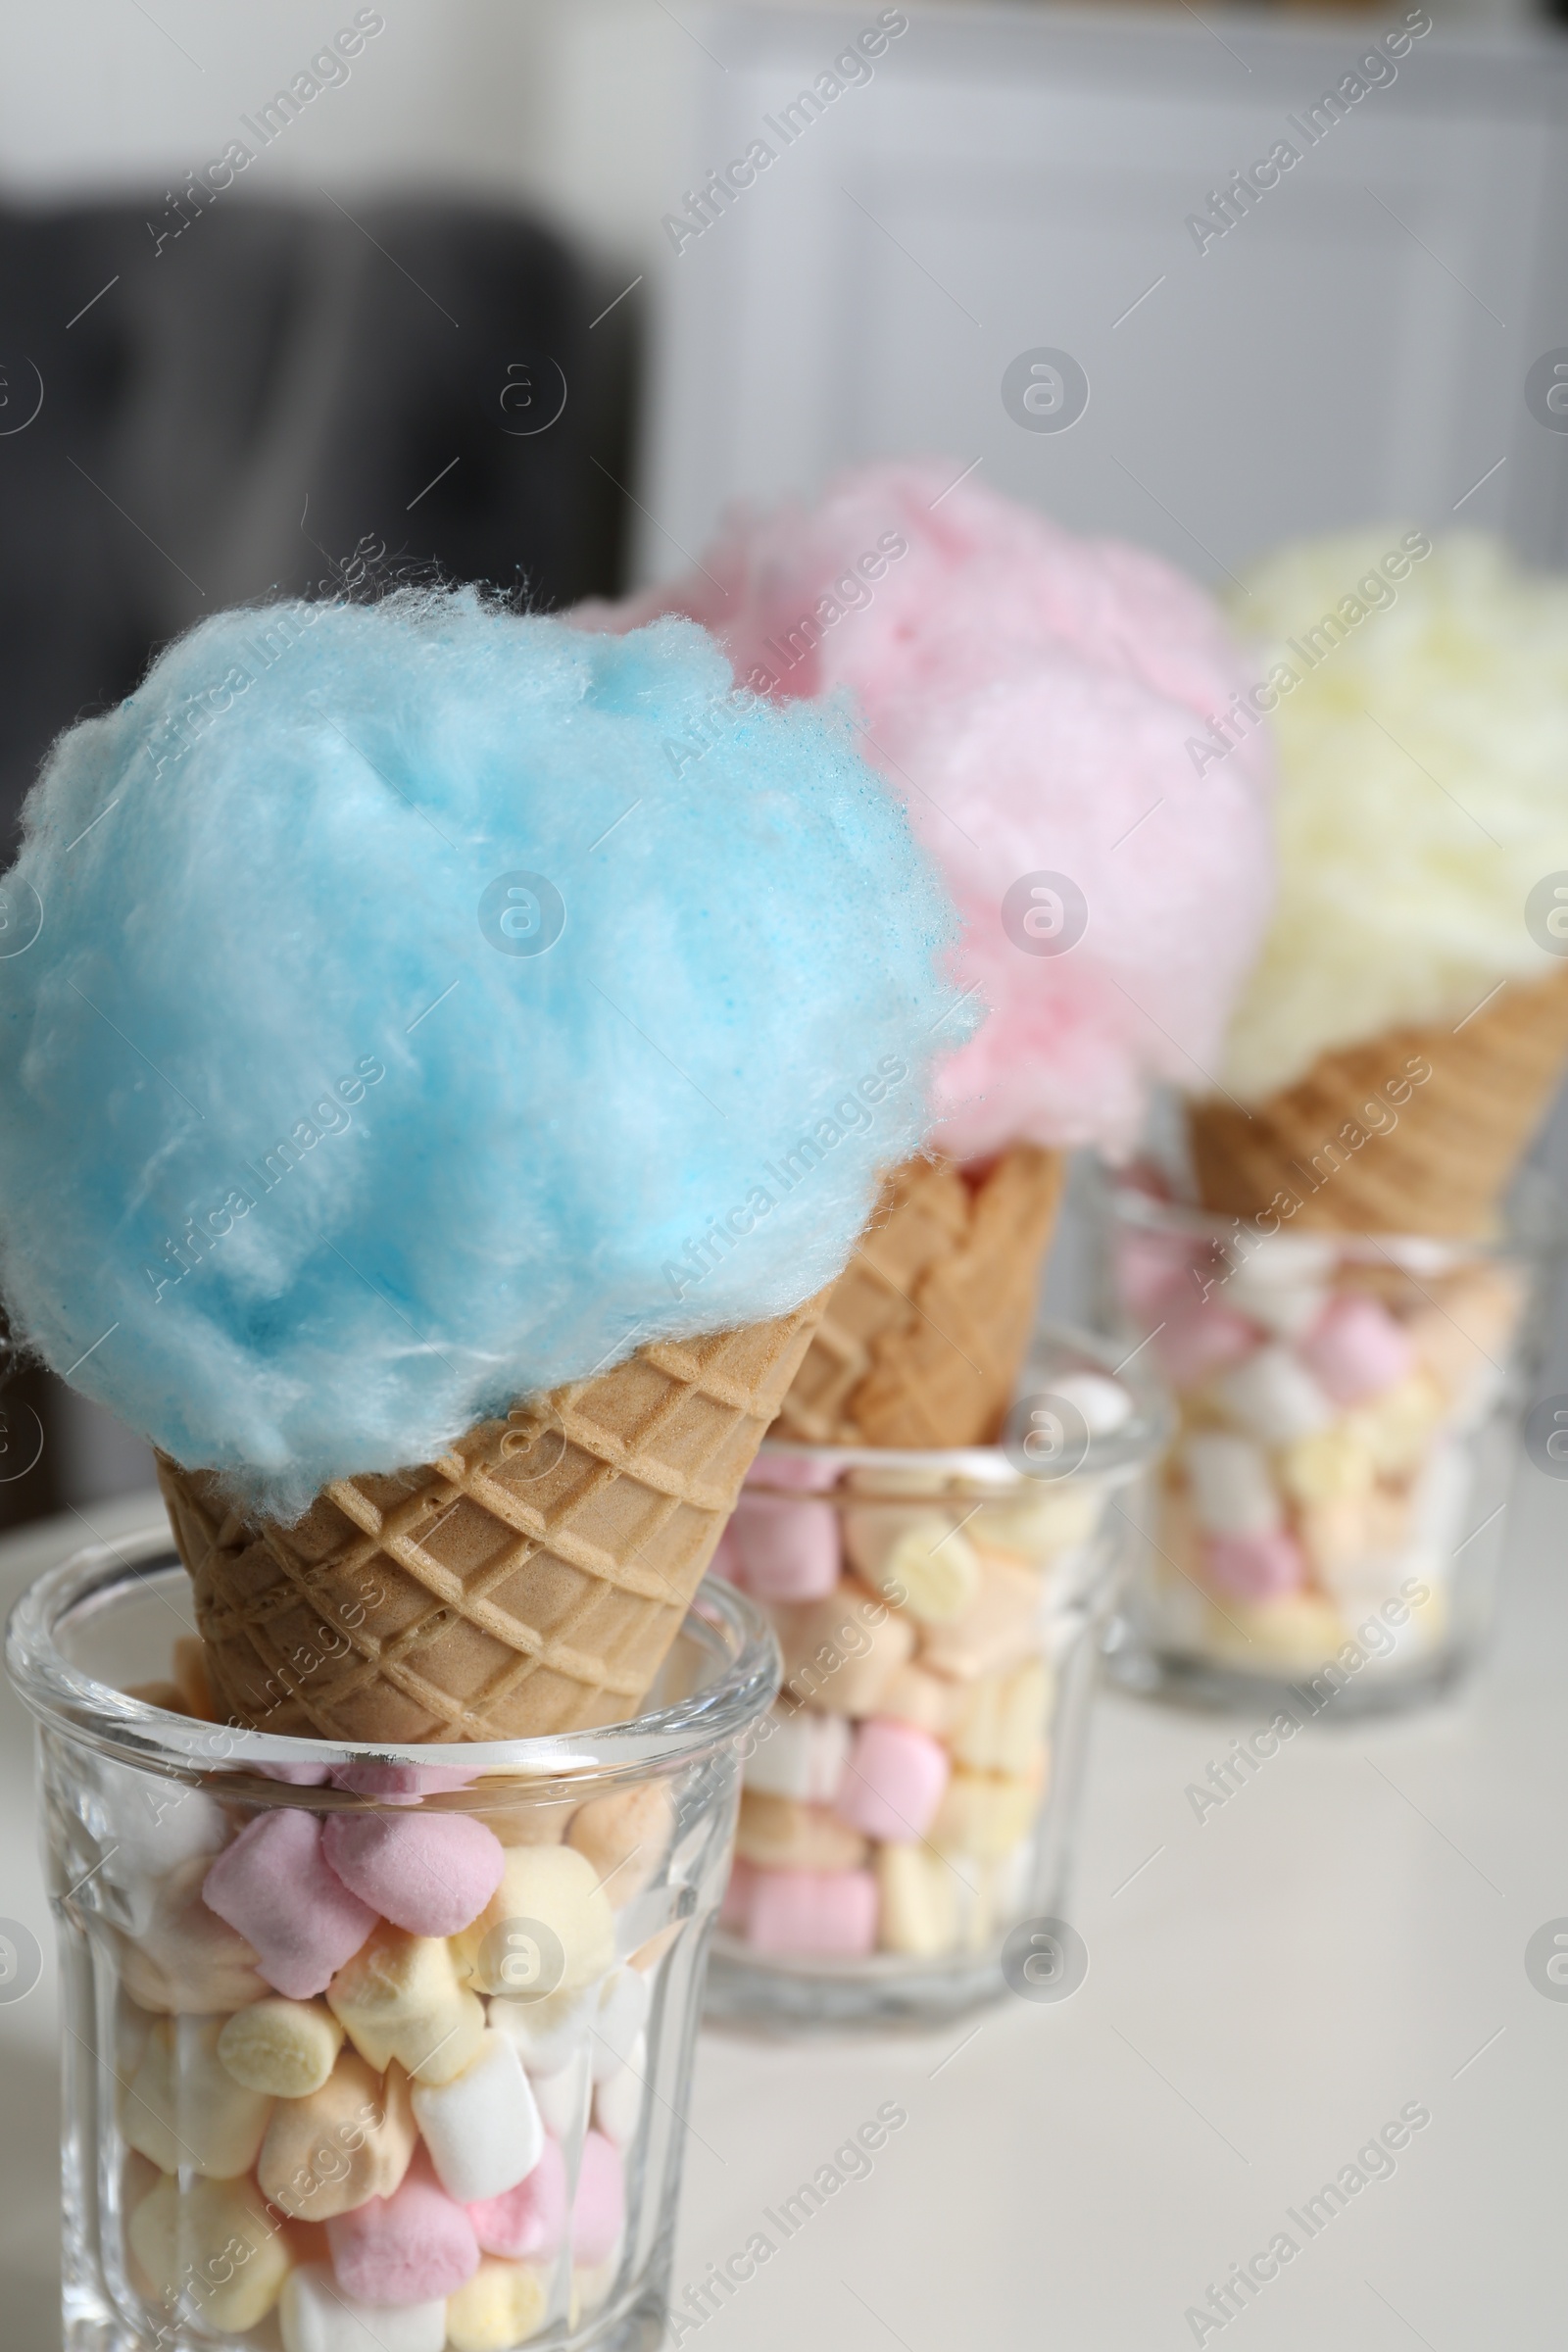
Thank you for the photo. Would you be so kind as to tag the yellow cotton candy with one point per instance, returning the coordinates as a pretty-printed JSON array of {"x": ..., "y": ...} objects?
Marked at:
[
  {"x": 502, "y": 2305},
  {"x": 283, "y": 2047}
]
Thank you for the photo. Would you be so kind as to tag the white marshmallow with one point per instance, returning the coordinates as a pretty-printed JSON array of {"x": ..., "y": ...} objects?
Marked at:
[
  {"x": 316, "y": 2316},
  {"x": 1440, "y": 1500},
  {"x": 483, "y": 2129},
  {"x": 1273, "y": 1397},
  {"x": 618, "y": 2098},
  {"x": 547, "y": 2034},
  {"x": 1279, "y": 1280},
  {"x": 151, "y": 1827},
  {"x": 799, "y": 1754},
  {"x": 1104, "y": 1403},
  {"x": 623, "y": 2005},
  {"x": 1233, "y": 1493},
  {"x": 563, "y": 2098}
]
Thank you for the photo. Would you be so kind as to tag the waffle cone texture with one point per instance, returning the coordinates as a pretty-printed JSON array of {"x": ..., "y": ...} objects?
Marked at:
[
  {"x": 925, "y": 1332},
  {"x": 530, "y": 1581},
  {"x": 1436, "y": 1151}
]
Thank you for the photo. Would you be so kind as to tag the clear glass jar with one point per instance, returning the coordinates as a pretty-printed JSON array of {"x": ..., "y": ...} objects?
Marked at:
[
  {"x": 910, "y": 1800},
  {"x": 370, "y": 2049},
  {"x": 1328, "y": 1531}
]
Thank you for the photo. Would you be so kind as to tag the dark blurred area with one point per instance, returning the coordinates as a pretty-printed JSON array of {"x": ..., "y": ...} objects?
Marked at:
[{"x": 275, "y": 400}]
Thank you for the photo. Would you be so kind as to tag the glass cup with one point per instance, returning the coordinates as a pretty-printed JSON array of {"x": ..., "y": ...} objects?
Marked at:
[
  {"x": 1329, "y": 1529},
  {"x": 908, "y": 1804},
  {"x": 371, "y": 2050}
]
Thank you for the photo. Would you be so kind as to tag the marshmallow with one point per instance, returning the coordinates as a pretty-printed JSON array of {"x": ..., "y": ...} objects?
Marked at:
[
  {"x": 1151, "y": 1268},
  {"x": 919, "y": 1917},
  {"x": 407, "y": 2249},
  {"x": 912, "y": 1695},
  {"x": 624, "y": 1999},
  {"x": 1330, "y": 1465},
  {"x": 183, "y": 2109},
  {"x": 826, "y": 1913},
  {"x": 1285, "y": 1295},
  {"x": 314, "y": 2315},
  {"x": 726, "y": 1560},
  {"x": 1272, "y": 1396},
  {"x": 187, "y": 1961},
  {"x": 839, "y": 1652},
  {"x": 398, "y": 1997},
  {"x": 893, "y": 1780},
  {"x": 1232, "y": 1490},
  {"x": 330, "y": 2151},
  {"x": 401, "y": 1783},
  {"x": 1272, "y": 1261},
  {"x": 1000, "y": 1631},
  {"x": 782, "y": 1834},
  {"x": 1001, "y": 1720},
  {"x": 530, "y": 1824},
  {"x": 1255, "y": 1567},
  {"x": 921, "y": 1560},
  {"x": 735, "y": 1909},
  {"x": 1196, "y": 1340},
  {"x": 564, "y": 2098},
  {"x": 1041, "y": 1525},
  {"x": 503, "y": 2304},
  {"x": 483, "y": 2129},
  {"x": 284, "y": 2049},
  {"x": 528, "y": 2221},
  {"x": 274, "y": 1885},
  {"x": 808, "y": 1474},
  {"x": 152, "y": 1827},
  {"x": 1356, "y": 1349},
  {"x": 1463, "y": 1334},
  {"x": 212, "y": 2247},
  {"x": 1101, "y": 1404},
  {"x": 1397, "y": 1426},
  {"x": 624, "y": 1835},
  {"x": 1295, "y": 1634},
  {"x": 552, "y": 1888},
  {"x": 599, "y": 2206},
  {"x": 618, "y": 2098},
  {"x": 547, "y": 2034},
  {"x": 798, "y": 1754},
  {"x": 788, "y": 1550},
  {"x": 984, "y": 1814},
  {"x": 431, "y": 1873}
]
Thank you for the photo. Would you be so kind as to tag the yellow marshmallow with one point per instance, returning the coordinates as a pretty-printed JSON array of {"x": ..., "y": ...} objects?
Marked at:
[
  {"x": 918, "y": 1915},
  {"x": 1332, "y": 1465},
  {"x": 926, "y": 1700},
  {"x": 550, "y": 1887},
  {"x": 920, "y": 1560},
  {"x": 184, "y": 2110},
  {"x": 1001, "y": 1629},
  {"x": 213, "y": 2248},
  {"x": 285, "y": 2048},
  {"x": 502, "y": 2304},
  {"x": 984, "y": 1814},
  {"x": 841, "y": 1652},
  {"x": 1002, "y": 1722},
  {"x": 782, "y": 1834},
  {"x": 400, "y": 1998},
  {"x": 1397, "y": 1426},
  {"x": 348, "y": 2141},
  {"x": 1293, "y": 1635},
  {"x": 1053, "y": 1521},
  {"x": 624, "y": 1837}
]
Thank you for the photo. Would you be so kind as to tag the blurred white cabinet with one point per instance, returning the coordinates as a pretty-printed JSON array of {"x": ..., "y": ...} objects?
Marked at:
[{"x": 1355, "y": 346}]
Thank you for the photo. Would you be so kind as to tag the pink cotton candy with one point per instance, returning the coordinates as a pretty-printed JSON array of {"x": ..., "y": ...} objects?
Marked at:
[
  {"x": 788, "y": 1550},
  {"x": 528, "y": 2223},
  {"x": 599, "y": 2208},
  {"x": 892, "y": 1781},
  {"x": 431, "y": 1872},
  {"x": 1036, "y": 699},
  {"x": 1255, "y": 1567},
  {"x": 1356, "y": 1350},
  {"x": 407, "y": 2249},
  {"x": 828, "y": 1914},
  {"x": 274, "y": 1885}
]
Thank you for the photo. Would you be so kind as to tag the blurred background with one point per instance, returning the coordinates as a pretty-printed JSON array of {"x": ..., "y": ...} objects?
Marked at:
[{"x": 314, "y": 299}]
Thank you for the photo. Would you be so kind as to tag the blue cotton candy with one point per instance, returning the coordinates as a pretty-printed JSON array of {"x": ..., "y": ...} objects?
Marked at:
[{"x": 304, "y": 1166}]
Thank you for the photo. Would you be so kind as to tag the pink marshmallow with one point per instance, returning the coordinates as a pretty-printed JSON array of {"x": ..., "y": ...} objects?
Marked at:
[
  {"x": 1356, "y": 1350},
  {"x": 736, "y": 1908},
  {"x": 599, "y": 2208},
  {"x": 1255, "y": 1567},
  {"x": 829, "y": 1914},
  {"x": 296, "y": 1776},
  {"x": 528, "y": 2223},
  {"x": 431, "y": 1872},
  {"x": 1151, "y": 1270},
  {"x": 275, "y": 1887},
  {"x": 788, "y": 1550},
  {"x": 1200, "y": 1339},
  {"x": 726, "y": 1561},
  {"x": 892, "y": 1781},
  {"x": 411, "y": 2247},
  {"x": 400, "y": 1784},
  {"x": 804, "y": 1471}
]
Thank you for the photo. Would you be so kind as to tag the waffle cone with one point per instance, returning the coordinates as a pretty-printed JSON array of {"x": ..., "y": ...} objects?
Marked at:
[
  {"x": 925, "y": 1331},
  {"x": 530, "y": 1581},
  {"x": 1442, "y": 1169}
]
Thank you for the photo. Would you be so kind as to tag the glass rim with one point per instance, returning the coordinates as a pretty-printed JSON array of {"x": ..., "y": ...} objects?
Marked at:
[
  {"x": 1115, "y": 1458},
  {"x": 1532, "y": 1223},
  {"x": 69, "y": 1700}
]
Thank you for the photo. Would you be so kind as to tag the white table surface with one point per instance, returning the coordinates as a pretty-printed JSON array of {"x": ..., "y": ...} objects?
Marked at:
[{"x": 1344, "y": 1937}]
